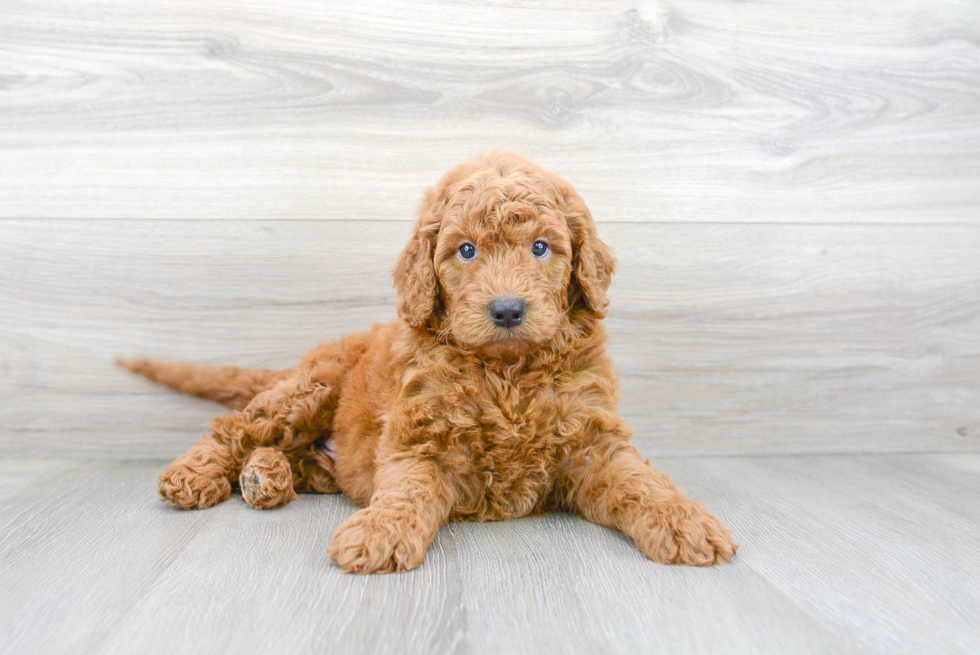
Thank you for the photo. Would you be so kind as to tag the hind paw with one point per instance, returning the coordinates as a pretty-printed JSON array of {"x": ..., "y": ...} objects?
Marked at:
[
  {"x": 188, "y": 489},
  {"x": 266, "y": 480}
]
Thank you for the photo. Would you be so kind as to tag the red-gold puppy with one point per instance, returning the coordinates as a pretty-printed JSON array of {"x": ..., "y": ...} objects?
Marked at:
[{"x": 491, "y": 397}]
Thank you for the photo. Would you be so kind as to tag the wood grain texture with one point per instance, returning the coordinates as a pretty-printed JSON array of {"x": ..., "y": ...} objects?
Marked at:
[
  {"x": 865, "y": 537},
  {"x": 869, "y": 554},
  {"x": 694, "y": 111},
  {"x": 740, "y": 339}
]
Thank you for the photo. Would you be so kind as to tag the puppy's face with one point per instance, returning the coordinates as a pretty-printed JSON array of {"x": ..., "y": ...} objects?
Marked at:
[
  {"x": 505, "y": 259},
  {"x": 503, "y": 271}
]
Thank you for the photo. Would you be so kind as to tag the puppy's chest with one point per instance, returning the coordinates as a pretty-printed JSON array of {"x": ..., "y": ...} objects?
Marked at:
[{"x": 503, "y": 452}]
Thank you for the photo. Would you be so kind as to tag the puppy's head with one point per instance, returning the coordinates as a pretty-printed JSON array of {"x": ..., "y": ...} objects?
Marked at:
[{"x": 504, "y": 259}]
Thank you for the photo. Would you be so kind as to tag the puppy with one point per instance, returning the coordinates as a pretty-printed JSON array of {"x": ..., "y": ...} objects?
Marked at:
[{"x": 491, "y": 397}]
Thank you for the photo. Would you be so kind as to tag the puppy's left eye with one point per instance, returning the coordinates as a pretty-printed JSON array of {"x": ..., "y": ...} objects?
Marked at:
[
  {"x": 466, "y": 252},
  {"x": 540, "y": 249}
]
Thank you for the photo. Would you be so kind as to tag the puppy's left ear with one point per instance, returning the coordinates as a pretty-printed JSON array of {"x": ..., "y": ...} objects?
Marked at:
[
  {"x": 415, "y": 273},
  {"x": 593, "y": 263}
]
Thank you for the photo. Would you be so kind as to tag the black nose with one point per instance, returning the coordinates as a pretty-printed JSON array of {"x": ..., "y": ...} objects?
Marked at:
[{"x": 507, "y": 312}]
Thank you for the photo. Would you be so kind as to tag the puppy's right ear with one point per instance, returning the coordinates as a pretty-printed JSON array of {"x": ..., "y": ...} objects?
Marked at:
[{"x": 415, "y": 273}]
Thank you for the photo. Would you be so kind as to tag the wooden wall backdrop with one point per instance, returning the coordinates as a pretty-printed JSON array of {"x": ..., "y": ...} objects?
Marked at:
[{"x": 792, "y": 188}]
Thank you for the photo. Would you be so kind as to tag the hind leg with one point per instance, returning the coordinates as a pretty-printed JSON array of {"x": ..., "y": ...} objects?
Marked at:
[
  {"x": 271, "y": 478},
  {"x": 313, "y": 470},
  {"x": 290, "y": 416},
  {"x": 266, "y": 480},
  {"x": 198, "y": 478}
]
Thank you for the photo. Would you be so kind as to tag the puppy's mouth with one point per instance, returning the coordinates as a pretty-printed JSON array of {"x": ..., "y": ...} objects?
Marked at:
[{"x": 509, "y": 341}]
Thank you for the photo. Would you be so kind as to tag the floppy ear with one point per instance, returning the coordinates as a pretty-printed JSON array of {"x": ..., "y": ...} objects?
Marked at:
[
  {"x": 593, "y": 263},
  {"x": 415, "y": 273}
]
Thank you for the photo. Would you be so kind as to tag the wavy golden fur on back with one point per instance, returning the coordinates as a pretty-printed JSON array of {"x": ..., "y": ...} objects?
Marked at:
[{"x": 459, "y": 410}]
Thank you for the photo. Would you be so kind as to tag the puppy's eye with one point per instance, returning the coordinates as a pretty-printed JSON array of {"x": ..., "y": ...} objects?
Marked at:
[
  {"x": 540, "y": 249},
  {"x": 467, "y": 252}
]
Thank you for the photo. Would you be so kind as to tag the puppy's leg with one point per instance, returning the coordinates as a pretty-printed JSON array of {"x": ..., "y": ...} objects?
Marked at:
[
  {"x": 313, "y": 470},
  {"x": 266, "y": 480},
  {"x": 291, "y": 415},
  {"x": 198, "y": 478},
  {"x": 620, "y": 491},
  {"x": 411, "y": 500}
]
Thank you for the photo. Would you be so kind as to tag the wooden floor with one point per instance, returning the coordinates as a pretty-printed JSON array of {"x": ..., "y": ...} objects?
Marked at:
[
  {"x": 792, "y": 191},
  {"x": 839, "y": 554},
  {"x": 755, "y": 340}
]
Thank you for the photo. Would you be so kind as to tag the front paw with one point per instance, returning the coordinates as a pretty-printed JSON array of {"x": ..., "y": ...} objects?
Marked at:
[
  {"x": 377, "y": 541},
  {"x": 684, "y": 532},
  {"x": 185, "y": 488}
]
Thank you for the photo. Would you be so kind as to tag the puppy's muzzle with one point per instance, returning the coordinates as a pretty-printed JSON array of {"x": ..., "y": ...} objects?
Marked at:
[{"x": 507, "y": 312}]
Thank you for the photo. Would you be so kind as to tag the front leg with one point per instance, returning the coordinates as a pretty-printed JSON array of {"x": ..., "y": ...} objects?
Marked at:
[
  {"x": 411, "y": 499},
  {"x": 617, "y": 489}
]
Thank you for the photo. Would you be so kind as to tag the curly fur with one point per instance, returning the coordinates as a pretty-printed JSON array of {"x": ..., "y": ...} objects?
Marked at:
[{"x": 442, "y": 415}]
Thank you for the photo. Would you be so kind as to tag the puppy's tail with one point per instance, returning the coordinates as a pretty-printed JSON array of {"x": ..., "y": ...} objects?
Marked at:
[{"x": 230, "y": 386}]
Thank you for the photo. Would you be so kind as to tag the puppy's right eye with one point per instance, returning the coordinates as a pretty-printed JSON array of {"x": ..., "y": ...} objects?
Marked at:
[{"x": 467, "y": 252}]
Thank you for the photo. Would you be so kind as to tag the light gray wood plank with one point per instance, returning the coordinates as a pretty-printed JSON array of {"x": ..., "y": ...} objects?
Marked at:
[
  {"x": 529, "y": 581},
  {"x": 729, "y": 338},
  {"x": 826, "y": 564},
  {"x": 866, "y": 549},
  {"x": 77, "y": 551},
  {"x": 959, "y": 471},
  {"x": 670, "y": 111},
  {"x": 268, "y": 575},
  {"x": 19, "y": 474}
]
